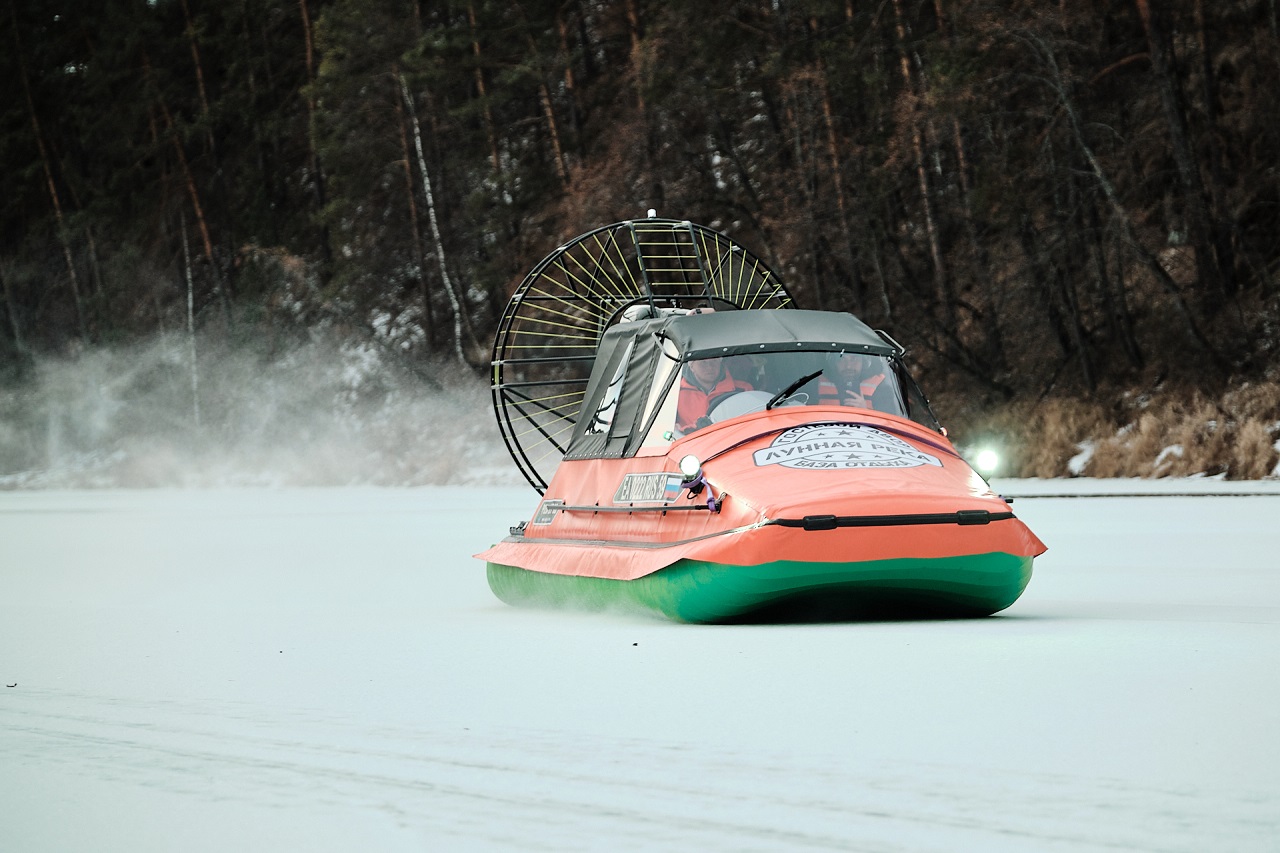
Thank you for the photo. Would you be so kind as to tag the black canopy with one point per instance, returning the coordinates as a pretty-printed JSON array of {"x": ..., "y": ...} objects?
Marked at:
[
  {"x": 733, "y": 332},
  {"x": 626, "y": 362}
]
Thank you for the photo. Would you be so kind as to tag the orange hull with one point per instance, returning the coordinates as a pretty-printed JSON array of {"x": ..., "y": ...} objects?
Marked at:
[{"x": 818, "y": 484}]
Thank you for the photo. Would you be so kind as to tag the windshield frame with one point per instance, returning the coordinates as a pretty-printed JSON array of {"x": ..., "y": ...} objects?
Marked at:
[{"x": 771, "y": 371}]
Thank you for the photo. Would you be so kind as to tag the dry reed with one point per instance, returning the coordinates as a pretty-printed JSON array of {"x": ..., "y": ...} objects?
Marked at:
[{"x": 1165, "y": 433}]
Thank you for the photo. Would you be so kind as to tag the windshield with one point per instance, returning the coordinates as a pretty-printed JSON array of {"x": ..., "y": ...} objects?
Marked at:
[{"x": 715, "y": 389}]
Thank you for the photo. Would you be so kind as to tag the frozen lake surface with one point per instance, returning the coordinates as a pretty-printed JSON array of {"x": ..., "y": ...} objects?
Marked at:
[{"x": 326, "y": 670}]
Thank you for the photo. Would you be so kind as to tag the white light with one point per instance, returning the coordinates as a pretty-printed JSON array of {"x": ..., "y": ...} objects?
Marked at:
[
  {"x": 690, "y": 468},
  {"x": 988, "y": 461}
]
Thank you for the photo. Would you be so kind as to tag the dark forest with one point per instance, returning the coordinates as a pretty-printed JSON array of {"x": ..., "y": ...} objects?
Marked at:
[{"x": 1043, "y": 200}]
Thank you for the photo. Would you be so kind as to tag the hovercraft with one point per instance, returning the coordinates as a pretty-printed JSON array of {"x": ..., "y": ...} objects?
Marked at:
[{"x": 708, "y": 451}]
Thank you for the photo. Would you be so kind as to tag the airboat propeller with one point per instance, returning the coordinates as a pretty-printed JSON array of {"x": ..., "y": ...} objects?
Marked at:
[{"x": 550, "y": 331}]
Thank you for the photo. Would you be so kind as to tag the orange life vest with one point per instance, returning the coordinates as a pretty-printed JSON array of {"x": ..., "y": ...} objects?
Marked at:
[
  {"x": 695, "y": 401},
  {"x": 830, "y": 394}
]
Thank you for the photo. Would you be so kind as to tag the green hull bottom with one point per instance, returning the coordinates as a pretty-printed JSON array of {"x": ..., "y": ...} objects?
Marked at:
[{"x": 786, "y": 590}]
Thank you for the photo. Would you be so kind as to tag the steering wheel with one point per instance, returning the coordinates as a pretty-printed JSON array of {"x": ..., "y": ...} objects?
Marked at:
[
  {"x": 733, "y": 403},
  {"x": 714, "y": 402}
]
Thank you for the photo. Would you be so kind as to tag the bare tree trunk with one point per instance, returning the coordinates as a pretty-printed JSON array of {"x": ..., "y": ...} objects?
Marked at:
[
  {"x": 570, "y": 83},
  {"x": 637, "y": 57},
  {"x": 640, "y": 77},
  {"x": 1042, "y": 274},
  {"x": 188, "y": 178},
  {"x": 428, "y": 319},
  {"x": 191, "y": 325},
  {"x": 990, "y": 332},
  {"x": 313, "y": 156},
  {"x": 268, "y": 174},
  {"x": 882, "y": 285},
  {"x": 837, "y": 180},
  {"x": 11, "y": 309},
  {"x": 1075, "y": 326},
  {"x": 193, "y": 192},
  {"x": 1067, "y": 275},
  {"x": 1220, "y": 228},
  {"x": 1119, "y": 320},
  {"x": 454, "y": 302},
  {"x": 483, "y": 91},
  {"x": 1162, "y": 66},
  {"x": 957, "y": 135},
  {"x": 744, "y": 175},
  {"x": 561, "y": 169},
  {"x": 800, "y": 120},
  {"x": 95, "y": 268},
  {"x": 553, "y": 129},
  {"x": 51, "y": 185},
  {"x": 195, "y": 60},
  {"x": 941, "y": 284}
]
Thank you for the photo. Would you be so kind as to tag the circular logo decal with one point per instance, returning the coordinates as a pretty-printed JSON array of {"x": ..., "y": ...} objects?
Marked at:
[{"x": 841, "y": 447}]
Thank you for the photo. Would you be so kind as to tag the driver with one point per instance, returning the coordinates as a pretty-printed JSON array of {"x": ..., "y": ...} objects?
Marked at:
[
  {"x": 703, "y": 384},
  {"x": 851, "y": 380}
]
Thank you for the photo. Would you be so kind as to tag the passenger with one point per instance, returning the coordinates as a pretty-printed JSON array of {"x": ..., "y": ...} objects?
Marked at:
[
  {"x": 851, "y": 380},
  {"x": 703, "y": 384}
]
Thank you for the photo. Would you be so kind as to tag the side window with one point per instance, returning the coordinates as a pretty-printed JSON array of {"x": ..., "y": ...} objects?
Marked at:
[
  {"x": 660, "y": 410},
  {"x": 602, "y": 417},
  {"x": 917, "y": 406}
]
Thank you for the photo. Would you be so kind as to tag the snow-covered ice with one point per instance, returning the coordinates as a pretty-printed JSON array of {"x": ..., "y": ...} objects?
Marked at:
[{"x": 326, "y": 670}]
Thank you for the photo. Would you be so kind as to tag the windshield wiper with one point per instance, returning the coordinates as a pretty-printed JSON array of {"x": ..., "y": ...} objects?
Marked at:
[{"x": 791, "y": 389}]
